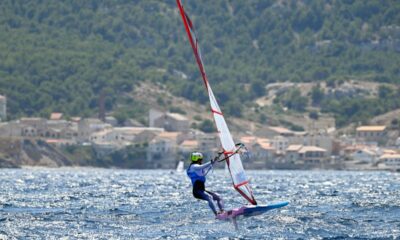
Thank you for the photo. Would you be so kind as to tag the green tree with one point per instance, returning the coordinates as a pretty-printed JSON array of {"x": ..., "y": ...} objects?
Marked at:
[
  {"x": 294, "y": 100},
  {"x": 317, "y": 95},
  {"x": 313, "y": 115},
  {"x": 385, "y": 92},
  {"x": 207, "y": 126}
]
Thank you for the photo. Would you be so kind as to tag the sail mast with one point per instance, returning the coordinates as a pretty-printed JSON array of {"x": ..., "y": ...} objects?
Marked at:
[{"x": 193, "y": 41}]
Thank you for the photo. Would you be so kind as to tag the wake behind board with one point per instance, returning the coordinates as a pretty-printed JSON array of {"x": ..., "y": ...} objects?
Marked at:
[{"x": 248, "y": 211}]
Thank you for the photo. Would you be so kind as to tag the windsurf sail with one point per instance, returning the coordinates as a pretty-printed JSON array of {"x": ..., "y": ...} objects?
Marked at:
[
  {"x": 233, "y": 161},
  {"x": 180, "y": 167}
]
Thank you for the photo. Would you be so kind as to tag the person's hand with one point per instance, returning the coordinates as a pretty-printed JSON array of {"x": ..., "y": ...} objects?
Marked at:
[{"x": 214, "y": 160}]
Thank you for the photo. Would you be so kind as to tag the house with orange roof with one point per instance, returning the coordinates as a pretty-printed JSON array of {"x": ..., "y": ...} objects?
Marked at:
[
  {"x": 261, "y": 151},
  {"x": 292, "y": 153},
  {"x": 56, "y": 116},
  {"x": 188, "y": 146},
  {"x": 311, "y": 156},
  {"x": 193, "y": 145},
  {"x": 371, "y": 133},
  {"x": 248, "y": 140},
  {"x": 319, "y": 139}
]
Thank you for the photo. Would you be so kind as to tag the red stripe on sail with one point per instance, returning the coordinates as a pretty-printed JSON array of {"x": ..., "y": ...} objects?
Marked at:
[
  {"x": 241, "y": 184},
  {"x": 251, "y": 200},
  {"x": 216, "y": 112}
]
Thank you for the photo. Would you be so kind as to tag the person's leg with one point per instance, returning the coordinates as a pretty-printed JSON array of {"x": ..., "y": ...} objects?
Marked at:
[
  {"x": 219, "y": 200},
  {"x": 204, "y": 196}
]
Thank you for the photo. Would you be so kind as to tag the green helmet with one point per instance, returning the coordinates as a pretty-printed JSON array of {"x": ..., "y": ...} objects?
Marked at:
[{"x": 196, "y": 156}]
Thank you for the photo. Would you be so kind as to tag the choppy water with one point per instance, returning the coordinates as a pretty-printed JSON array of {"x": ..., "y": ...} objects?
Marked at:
[{"x": 155, "y": 204}]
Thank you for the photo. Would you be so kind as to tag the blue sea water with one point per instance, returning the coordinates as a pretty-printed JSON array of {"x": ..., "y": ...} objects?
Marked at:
[{"x": 69, "y": 203}]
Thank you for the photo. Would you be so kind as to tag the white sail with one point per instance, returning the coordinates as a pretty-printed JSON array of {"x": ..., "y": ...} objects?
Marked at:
[
  {"x": 234, "y": 162},
  {"x": 180, "y": 167}
]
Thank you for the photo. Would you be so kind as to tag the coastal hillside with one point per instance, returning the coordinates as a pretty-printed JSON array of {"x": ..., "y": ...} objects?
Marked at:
[
  {"x": 67, "y": 56},
  {"x": 20, "y": 152},
  {"x": 26, "y": 152}
]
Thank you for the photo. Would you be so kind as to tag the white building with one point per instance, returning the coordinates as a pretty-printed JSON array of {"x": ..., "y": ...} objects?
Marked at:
[
  {"x": 292, "y": 153},
  {"x": 61, "y": 129},
  {"x": 87, "y": 126},
  {"x": 390, "y": 161},
  {"x": 153, "y": 115},
  {"x": 366, "y": 156},
  {"x": 162, "y": 150},
  {"x": 322, "y": 140},
  {"x": 280, "y": 144},
  {"x": 261, "y": 151},
  {"x": 33, "y": 127},
  {"x": 311, "y": 156},
  {"x": 172, "y": 122},
  {"x": 371, "y": 133}
]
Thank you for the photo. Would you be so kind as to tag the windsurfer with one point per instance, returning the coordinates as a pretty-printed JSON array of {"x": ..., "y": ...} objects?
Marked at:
[{"x": 197, "y": 173}]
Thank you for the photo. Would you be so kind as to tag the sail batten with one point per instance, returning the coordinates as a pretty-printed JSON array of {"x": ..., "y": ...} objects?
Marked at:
[{"x": 233, "y": 161}]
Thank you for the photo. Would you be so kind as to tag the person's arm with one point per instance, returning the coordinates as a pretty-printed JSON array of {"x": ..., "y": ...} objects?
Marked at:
[{"x": 203, "y": 168}]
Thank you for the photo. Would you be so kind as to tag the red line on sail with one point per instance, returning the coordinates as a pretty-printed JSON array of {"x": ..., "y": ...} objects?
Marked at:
[
  {"x": 216, "y": 112},
  {"x": 241, "y": 184}
]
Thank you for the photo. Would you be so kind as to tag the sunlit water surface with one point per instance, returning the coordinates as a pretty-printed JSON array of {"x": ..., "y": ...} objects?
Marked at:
[{"x": 157, "y": 204}]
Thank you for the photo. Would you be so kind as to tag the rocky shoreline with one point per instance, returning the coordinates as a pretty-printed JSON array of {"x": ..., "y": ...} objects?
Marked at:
[
  {"x": 25, "y": 152},
  {"x": 16, "y": 153}
]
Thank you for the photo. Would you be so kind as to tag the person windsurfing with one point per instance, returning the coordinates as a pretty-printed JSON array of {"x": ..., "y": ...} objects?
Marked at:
[{"x": 197, "y": 173}]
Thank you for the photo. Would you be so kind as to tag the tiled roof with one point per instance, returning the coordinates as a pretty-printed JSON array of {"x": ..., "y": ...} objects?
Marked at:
[
  {"x": 390, "y": 156},
  {"x": 311, "y": 149},
  {"x": 56, "y": 116},
  {"x": 247, "y": 139},
  {"x": 370, "y": 128},
  {"x": 189, "y": 144},
  {"x": 294, "y": 147},
  {"x": 169, "y": 135}
]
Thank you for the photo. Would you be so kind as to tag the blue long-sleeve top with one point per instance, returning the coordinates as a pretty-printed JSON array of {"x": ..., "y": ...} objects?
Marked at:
[{"x": 197, "y": 172}]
